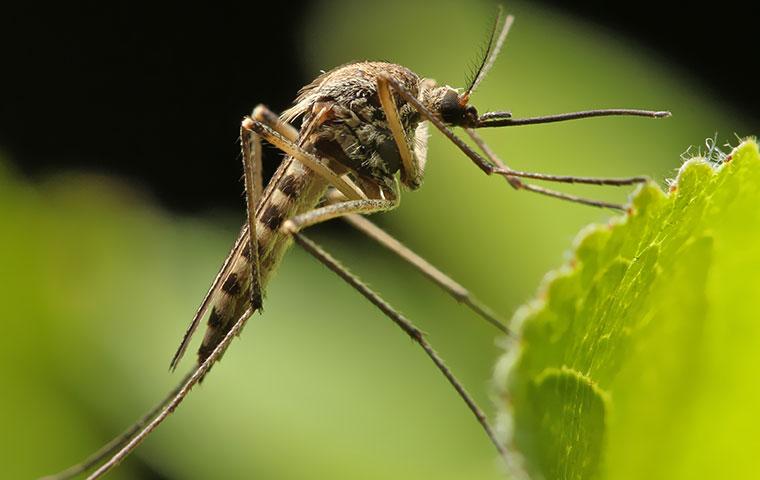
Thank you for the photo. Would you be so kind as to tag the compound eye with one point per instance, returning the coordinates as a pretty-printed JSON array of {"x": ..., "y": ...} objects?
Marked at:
[{"x": 452, "y": 112}]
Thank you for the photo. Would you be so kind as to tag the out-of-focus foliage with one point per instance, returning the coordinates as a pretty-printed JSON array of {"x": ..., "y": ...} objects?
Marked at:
[
  {"x": 98, "y": 285},
  {"x": 637, "y": 360}
]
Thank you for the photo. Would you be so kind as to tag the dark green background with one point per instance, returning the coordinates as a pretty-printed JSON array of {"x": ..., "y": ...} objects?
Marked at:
[{"x": 98, "y": 283}]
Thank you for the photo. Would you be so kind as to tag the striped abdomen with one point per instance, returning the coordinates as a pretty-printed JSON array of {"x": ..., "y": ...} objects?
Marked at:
[{"x": 293, "y": 190}]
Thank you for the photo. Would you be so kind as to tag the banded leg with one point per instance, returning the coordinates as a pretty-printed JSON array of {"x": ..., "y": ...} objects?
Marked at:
[{"x": 490, "y": 168}]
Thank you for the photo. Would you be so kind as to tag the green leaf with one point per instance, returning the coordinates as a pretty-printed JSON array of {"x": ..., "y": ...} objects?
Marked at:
[{"x": 639, "y": 358}]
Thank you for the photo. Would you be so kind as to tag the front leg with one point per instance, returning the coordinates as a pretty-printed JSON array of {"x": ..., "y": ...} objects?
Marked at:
[
  {"x": 493, "y": 165},
  {"x": 413, "y": 163}
]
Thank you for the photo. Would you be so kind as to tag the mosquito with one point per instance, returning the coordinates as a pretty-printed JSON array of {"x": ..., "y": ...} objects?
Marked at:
[{"x": 363, "y": 135}]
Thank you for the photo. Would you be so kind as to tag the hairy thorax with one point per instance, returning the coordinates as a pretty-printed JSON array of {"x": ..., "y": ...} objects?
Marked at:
[{"x": 342, "y": 117}]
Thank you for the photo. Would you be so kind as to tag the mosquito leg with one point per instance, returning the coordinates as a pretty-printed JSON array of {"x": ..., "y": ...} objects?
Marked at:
[
  {"x": 128, "y": 440},
  {"x": 224, "y": 271},
  {"x": 445, "y": 282},
  {"x": 251, "y": 149},
  {"x": 273, "y": 121},
  {"x": 252, "y": 159},
  {"x": 411, "y": 173},
  {"x": 114, "y": 445},
  {"x": 328, "y": 212},
  {"x": 490, "y": 168},
  {"x": 120, "y": 447},
  {"x": 573, "y": 198},
  {"x": 174, "y": 400},
  {"x": 402, "y": 322},
  {"x": 449, "y": 285},
  {"x": 250, "y": 146},
  {"x": 313, "y": 162},
  {"x": 244, "y": 276},
  {"x": 481, "y": 162},
  {"x": 508, "y": 172},
  {"x": 292, "y": 226},
  {"x": 252, "y": 167},
  {"x": 516, "y": 183}
]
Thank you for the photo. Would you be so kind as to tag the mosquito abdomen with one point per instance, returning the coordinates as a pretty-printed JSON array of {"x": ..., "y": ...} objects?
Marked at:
[{"x": 294, "y": 189}]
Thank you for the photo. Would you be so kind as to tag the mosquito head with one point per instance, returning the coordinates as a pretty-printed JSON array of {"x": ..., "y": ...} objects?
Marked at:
[
  {"x": 453, "y": 107},
  {"x": 454, "y": 110},
  {"x": 450, "y": 106}
]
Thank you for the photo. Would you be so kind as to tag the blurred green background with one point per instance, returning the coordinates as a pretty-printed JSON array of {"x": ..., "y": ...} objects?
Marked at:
[{"x": 98, "y": 284}]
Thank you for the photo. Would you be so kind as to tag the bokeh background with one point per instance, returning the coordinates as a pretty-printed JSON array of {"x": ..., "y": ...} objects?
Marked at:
[{"x": 120, "y": 194}]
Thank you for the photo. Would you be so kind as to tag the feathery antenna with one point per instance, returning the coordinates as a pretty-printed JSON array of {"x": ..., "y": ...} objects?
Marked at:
[{"x": 499, "y": 33}]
